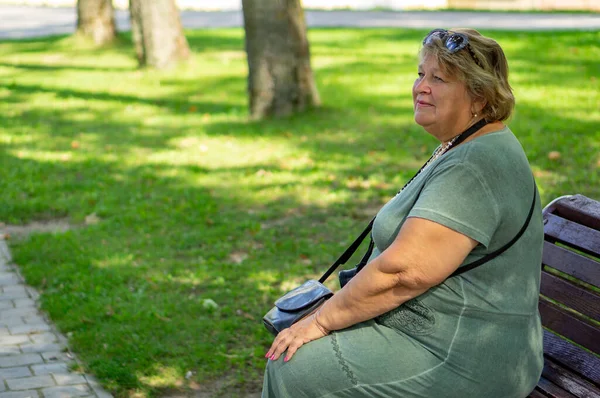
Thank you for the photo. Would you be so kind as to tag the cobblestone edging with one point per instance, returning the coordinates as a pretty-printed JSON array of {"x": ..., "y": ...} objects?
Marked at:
[{"x": 34, "y": 358}]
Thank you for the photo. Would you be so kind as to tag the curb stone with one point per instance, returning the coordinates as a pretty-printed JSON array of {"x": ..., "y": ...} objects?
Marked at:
[{"x": 34, "y": 357}]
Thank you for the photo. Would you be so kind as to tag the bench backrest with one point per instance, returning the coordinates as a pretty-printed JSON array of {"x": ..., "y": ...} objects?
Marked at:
[{"x": 570, "y": 294}]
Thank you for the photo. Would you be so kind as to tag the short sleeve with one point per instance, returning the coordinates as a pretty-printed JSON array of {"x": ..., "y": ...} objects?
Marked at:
[{"x": 458, "y": 197}]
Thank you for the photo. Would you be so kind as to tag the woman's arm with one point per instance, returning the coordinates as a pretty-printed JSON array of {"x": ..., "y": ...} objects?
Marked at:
[{"x": 423, "y": 255}]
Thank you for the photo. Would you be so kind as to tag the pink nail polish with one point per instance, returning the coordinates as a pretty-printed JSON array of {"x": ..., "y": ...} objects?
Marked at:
[
  {"x": 267, "y": 355},
  {"x": 273, "y": 357},
  {"x": 286, "y": 359}
]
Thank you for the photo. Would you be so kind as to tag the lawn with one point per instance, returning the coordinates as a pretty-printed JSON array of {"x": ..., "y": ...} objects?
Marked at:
[{"x": 177, "y": 202}]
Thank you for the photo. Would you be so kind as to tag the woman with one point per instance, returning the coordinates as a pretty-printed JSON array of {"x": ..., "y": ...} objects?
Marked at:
[{"x": 401, "y": 327}]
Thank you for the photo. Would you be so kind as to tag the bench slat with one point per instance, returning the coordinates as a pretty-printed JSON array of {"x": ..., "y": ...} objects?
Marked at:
[
  {"x": 569, "y": 381},
  {"x": 580, "y": 209},
  {"x": 570, "y": 326},
  {"x": 536, "y": 394},
  {"x": 572, "y": 296},
  {"x": 573, "y": 357},
  {"x": 552, "y": 390},
  {"x": 581, "y": 267},
  {"x": 573, "y": 234}
]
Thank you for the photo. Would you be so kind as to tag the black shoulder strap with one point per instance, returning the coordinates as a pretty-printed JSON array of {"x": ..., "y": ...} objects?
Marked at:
[
  {"x": 349, "y": 251},
  {"x": 496, "y": 253}
]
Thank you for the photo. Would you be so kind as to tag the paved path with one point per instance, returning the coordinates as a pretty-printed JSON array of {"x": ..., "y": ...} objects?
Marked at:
[
  {"x": 22, "y": 21},
  {"x": 34, "y": 358}
]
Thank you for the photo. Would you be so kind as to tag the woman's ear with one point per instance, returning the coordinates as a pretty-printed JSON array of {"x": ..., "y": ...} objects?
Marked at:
[{"x": 478, "y": 105}]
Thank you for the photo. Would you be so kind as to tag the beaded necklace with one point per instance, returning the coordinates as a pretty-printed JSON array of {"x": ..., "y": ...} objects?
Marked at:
[{"x": 442, "y": 149}]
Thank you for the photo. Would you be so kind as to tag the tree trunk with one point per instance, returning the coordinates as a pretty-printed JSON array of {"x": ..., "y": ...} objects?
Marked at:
[
  {"x": 157, "y": 33},
  {"x": 96, "y": 20},
  {"x": 280, "y": 79}
]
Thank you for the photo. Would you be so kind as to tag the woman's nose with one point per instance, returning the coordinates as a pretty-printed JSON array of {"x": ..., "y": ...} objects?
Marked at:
[{"x": 421, "y": 86}]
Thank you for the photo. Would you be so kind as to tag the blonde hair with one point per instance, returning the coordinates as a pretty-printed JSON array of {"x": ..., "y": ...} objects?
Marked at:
[{"x": 483, "y": 67}]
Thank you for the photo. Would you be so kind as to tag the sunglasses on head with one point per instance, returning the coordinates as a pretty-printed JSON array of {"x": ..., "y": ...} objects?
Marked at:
[{"x": 453, "y": 41}]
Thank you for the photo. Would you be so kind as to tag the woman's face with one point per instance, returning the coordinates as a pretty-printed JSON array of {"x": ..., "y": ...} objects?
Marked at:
[{"x": 442, "y": 104}]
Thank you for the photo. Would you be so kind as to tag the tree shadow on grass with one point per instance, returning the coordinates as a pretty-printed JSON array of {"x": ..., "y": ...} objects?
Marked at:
[{"x": 54, "y": 68}]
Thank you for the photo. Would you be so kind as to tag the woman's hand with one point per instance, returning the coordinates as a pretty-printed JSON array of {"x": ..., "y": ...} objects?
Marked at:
[{"x": 294, "y": 337}]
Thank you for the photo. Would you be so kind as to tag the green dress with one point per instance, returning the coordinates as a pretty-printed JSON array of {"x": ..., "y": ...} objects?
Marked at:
[{"x": 475, "y": 335}]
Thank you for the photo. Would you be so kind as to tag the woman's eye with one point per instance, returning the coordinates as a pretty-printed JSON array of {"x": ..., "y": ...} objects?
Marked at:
[
  {"x": 439, "y": 79},
  {"x": 421, "y": 75}
]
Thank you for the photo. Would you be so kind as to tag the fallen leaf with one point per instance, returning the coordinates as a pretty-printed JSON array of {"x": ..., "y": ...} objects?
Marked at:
[
  {"x": 263, "y": 173},
  {"x": 238, "y": 257},
  {"x": 257, "y": 245},
  {"x": 553, "y": 155},
  {"x": 162, "y": 318},
  {"x": 305, "y": 260},
  {"x": 192, "y": 108},
  {"x": 193, "y": 385},
  {"x": 92, "y": 219},
  {"x": 245, "y": 315},
  {"x": 75, "y": 144}
]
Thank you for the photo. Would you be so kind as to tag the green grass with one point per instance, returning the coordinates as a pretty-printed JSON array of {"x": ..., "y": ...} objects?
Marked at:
[{"x": 195, "y": 202}]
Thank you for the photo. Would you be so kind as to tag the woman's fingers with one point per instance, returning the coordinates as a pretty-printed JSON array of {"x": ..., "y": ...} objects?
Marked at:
[
  {"x": 271, "y": 349},
  {"x": 292, "y": 349},
  {"x": 283, "y": 344},
  {"x": 293, "y": 338},
  {"x": 276, "y": 343}
]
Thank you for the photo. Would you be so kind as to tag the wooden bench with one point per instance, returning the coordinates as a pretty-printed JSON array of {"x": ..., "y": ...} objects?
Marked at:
[{"x": 570, "y": 299}]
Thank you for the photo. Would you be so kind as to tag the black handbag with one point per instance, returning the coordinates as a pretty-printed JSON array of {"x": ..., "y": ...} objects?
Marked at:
[
  {"x": 295, "y": 305},
  {"x": 303, "y": 300}
]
